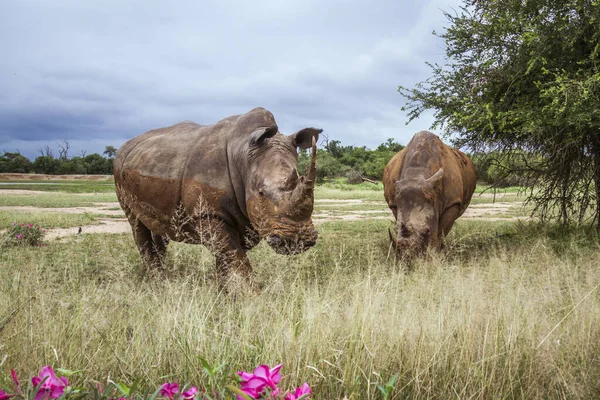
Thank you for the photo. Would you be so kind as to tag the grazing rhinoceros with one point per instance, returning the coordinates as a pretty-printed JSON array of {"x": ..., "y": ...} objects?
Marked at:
[
  {"x": 427, "y": 185},
  {"x": 225, "y": 185}
]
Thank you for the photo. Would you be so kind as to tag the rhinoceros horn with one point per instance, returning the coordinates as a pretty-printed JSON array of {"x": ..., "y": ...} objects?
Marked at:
[
  {"x": 309, "y": 182},
  {"x": 305, "y": 188}
]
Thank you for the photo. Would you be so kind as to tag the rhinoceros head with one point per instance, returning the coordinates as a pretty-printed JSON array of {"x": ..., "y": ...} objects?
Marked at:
[
  {"x": 417, "y": 214},
  {"x": 279, "y": 201}
]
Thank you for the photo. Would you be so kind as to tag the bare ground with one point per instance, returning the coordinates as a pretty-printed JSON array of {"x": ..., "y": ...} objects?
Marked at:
[{"x": 483, "y": 212}]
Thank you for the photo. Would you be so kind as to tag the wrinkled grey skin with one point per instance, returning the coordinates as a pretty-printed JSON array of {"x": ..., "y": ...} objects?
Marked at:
[
  {"x": 225, "y": 185},
  {"x": 427, "y": 185}
]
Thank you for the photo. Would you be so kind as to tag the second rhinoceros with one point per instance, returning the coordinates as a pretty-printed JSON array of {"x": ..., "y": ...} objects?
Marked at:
[
  {"x": 225, "y": 185},
  {"x": 427, "y": 185}
]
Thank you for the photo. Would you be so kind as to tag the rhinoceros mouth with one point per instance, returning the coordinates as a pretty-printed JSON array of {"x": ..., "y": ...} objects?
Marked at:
[{"x": 288, "y": 246}]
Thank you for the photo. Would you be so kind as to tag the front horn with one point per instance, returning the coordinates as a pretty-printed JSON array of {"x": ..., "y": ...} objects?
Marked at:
[{"x": 311, "y": 174}]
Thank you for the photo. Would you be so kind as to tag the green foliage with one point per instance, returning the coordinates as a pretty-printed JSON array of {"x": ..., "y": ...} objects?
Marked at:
[
  {"x": 14, "y": 162},
  {"x": 48, "y": 164},
  {"x": 387, "y": 389},
  {"x": 336, "y": 161},
  {"x": 45, "y": 165},
  {"x": 21, "y": 234},
  {"x": 523, "y": 79},
  {"x": 502, "y": 170}
]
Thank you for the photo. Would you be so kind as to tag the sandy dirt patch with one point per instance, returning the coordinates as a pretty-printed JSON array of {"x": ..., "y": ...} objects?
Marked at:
[
  {"x": 105, "y": 226},
  {"x": 44, "y": 177},
  {"x": 481, "y": 212},
  {"x": 498, "y": 195}
]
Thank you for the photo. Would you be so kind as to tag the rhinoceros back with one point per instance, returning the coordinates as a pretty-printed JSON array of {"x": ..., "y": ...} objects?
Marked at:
[{"x": 153, "y": 170}]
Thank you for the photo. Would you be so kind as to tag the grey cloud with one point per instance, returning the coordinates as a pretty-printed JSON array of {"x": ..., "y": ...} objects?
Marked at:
[{"x": 100, "y": 73}]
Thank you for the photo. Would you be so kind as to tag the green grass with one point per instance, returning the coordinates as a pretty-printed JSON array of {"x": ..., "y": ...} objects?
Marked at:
[
  {"x": 56, "y": 200},
  {"x": 508, "y": 310},
  {"x": 46, "y": 219},
  {"x": 342, "y": 184},
  {"x": 75, "y": 186},
  {"x": 323, "y": 192},
  {"x": 483, "y": 188}
]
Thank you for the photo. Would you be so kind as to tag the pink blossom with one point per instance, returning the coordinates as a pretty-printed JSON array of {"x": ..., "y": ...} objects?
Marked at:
[
  {"x": 253, "y": 384},
  {"x": 53, "y": 387},
  {"x": 16, "y": 381},
  {"x": 22, "y": 224},
  {"x": 43, "y": 245},
  {"x": 19, "y": 236},
  {"x": 169, "y": 390},
  {"x": 43, "y": 230},
  {"x": 29, "y": 226},
  {"x": 189, "y": 394},
  {"x": 5, "y": 396},
  {"x": 300, "y": 391}
]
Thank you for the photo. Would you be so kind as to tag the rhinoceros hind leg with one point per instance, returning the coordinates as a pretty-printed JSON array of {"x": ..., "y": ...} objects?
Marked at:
[
  {"x": 160, "y": 244},
  {"x": 152, "y": 247}
]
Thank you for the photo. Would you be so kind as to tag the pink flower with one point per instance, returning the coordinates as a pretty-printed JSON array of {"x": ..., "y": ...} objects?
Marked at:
[
  {"x": 29, "y": 226},
  {"x": 253, "y": 384},
  {"x": 43, "y": 230},
  {"x": 16, "y": 381},
  {"x": 5, "y": 396},
  {"x": 53, "y": 387},
  {"x": 169, "y": 390},
  {"x": 22, "y": 224},
  {"x": 19, "y": 236},
  {"x": 189, "y": 394},
  {"x": 300, "y": 391},
  {"x": 43, "y": 245}
]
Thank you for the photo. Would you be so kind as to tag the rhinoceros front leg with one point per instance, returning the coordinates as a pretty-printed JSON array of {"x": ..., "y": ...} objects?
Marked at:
[
  {"x": 232, "y": 264},
  {"x": 446, "y": 222}
]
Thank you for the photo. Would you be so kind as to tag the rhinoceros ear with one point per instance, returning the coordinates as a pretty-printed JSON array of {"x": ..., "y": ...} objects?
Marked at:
[
  {"x": 259, "y": 136},
  {"x": 303, "y": 138}
]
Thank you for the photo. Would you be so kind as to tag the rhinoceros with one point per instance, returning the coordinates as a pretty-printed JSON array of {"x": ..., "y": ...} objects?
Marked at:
[
  {"x": 427, "y": 185},
  {"x": 225, "y": 186}
]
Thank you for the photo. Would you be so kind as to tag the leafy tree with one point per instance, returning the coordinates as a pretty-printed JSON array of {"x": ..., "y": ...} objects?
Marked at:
[
  {"x": 110, "y": 151},
  {"x": 14, "y": 162},
  {"x": 46, "y": 165},
  {"x": 523, "y": 78},
  {"x": 96, "y": 164}
]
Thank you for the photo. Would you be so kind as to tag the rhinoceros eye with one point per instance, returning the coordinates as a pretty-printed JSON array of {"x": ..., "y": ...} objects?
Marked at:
[{"x": 261, "y": 192}]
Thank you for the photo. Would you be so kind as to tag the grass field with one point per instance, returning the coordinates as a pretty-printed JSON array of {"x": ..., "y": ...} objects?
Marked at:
[{"x": 510, "y": 309}]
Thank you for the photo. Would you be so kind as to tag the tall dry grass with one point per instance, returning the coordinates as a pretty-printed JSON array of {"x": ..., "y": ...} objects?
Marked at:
[{"x": 507, "y": 312}]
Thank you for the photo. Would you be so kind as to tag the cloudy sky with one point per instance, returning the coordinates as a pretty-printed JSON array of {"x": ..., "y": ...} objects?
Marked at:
[{"x": 98, "y": 73}]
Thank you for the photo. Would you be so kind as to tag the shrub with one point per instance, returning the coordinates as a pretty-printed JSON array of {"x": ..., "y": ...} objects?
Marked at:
[{"x": 21, "y": 234}]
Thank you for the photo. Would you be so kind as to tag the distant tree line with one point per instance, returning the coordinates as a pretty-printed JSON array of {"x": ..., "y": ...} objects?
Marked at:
[
  {"x": 352, "y": 162},
  {"x": 334, "y": 160},
  {"x": 358, "y": 163},
  {"x": 62, "y": 164}
]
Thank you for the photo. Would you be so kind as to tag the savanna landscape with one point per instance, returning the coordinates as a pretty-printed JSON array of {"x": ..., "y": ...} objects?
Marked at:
[
  {"x": 504, "y": 304},
  {"x": 508, "y": 309}
]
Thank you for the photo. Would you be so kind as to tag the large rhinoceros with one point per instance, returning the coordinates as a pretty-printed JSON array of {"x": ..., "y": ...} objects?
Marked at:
[
  {"x": 427, "y": 185},
  {"x": 225, "y": 185}
]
